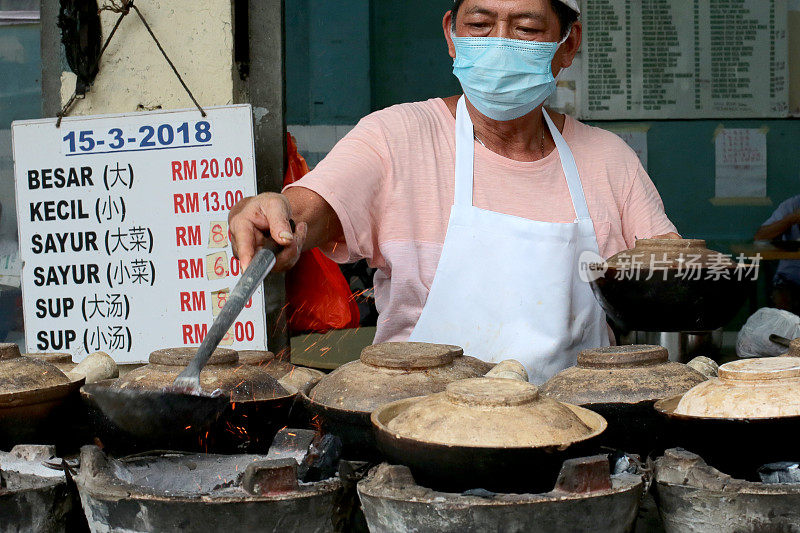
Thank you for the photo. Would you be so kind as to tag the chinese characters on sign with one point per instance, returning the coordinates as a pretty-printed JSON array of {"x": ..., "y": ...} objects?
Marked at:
[
  {"x": 741, "y": 162},
  {"x": 123, "y": 230}
]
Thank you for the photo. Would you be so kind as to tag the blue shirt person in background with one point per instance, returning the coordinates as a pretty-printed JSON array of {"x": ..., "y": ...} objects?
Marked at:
[{"x": 784, "y": 224}]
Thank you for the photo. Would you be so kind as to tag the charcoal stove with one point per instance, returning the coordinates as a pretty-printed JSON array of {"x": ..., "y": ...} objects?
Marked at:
[
  {"x": 693, "y": 497},
  {"x": 197, "y": 492},
  {"x": 35, "y": 497},
  {"x": 586, "y": 498}
]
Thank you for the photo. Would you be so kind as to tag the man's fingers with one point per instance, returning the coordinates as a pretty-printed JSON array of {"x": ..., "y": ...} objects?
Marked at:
[{"x": 277, "y": 213}]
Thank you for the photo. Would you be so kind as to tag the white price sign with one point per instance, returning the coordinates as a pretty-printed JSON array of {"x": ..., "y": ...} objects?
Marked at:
[{"x": 123, "y": 229}]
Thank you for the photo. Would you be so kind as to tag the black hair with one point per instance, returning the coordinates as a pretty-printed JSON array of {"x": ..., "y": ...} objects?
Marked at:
[{"x": 566, "y": 15}]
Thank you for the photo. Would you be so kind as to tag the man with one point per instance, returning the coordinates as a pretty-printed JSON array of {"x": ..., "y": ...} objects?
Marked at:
[
  {"x": 784, "y": 224},
  {"x": 473, "y": 209}
]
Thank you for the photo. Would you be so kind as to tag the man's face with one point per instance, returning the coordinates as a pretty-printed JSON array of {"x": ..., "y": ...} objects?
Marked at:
[{"x": 529, "y": 20}]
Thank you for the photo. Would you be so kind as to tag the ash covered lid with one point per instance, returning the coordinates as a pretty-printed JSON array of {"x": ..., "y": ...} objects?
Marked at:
[
  {"x": 393, "y": 371},
  {"x": 23, "y": 374},
  {"x": 622, "y": 374},
  {"x": 493, "y": 412},
  {"x": 768, "y": 387}
]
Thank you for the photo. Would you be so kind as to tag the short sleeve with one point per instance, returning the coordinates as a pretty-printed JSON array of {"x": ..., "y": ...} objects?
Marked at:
[
  {"x": 643, "y": 213},
  {"x": 350, "y": 179},
  {"x": 784, "y": 209}
]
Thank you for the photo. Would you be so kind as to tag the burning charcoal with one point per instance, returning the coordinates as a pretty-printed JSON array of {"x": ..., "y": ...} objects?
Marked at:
[
  {"x": 271, "y": 477},
  {"x": 783, "y": 472},
  {"x": 322, "y": 460},
  {"x": 587, "y": 474},
  {"x": 479, "y": 493}
]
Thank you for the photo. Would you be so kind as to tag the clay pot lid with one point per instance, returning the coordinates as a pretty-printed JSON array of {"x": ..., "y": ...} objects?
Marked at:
[
  {"x": 409, "y": 355},
  {"x": 183, "y": 356},
  {"x": 21, "y": 374},
  {"x": 487, "y": 392},
  {"x": 628, "y": 375},
  {"x": 668, "y": 253},
  {"x": 51, "y": 357},
  {"x": 769, "y": 369},
  {"x": 255, "y": 357},
  {"x": 768, "y": 387},
  {"x": 393, "y": 371},
  {"x": 492, "y": 412},
  {"x": 628, "y": 356}
]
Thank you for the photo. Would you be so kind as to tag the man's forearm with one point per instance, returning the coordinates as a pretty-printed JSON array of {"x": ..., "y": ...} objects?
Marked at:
[
  {"x": 776, "y": 229},
  {"x": 311, "y": 208}
]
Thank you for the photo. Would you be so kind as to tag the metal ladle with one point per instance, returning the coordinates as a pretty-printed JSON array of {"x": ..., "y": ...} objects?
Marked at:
[{"x": 184, "y": 405}]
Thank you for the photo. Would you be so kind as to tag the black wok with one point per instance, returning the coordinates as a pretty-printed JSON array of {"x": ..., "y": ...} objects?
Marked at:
[
  {"x": 352, "y": 427},
  {"x": 459, "y": 468},
  {"x": 216, "y": 424},
  {"x": 671, "y": 304},
  {"x": 737, "y": 447}
]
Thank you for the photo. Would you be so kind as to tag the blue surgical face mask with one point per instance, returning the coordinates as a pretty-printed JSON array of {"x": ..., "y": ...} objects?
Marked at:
[{"x": 505, "y": 78}]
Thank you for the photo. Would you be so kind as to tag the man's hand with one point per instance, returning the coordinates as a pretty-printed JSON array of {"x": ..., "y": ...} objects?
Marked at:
[{"x": 269, "y": 213}]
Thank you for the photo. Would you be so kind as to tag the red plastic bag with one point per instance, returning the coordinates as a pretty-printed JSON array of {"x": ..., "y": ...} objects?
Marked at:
[{"x": 319, "y": 298}]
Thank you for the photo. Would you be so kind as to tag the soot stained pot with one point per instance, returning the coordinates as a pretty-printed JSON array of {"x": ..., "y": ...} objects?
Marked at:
[
  {"x": 745, "y": 418},
  {"x": 343, "y": 400},
  {"x": 37, "y": 400},
  {"x": 224, "y": 372},
  {"x": 291, "y": 377},
  {"x": 492, "y": 433},
  {"x": 671, "y": 285},
  {"x": 196, "y": 493},
  {"x": 259, "y": 404},
  {"x": 622, "y": 383}
]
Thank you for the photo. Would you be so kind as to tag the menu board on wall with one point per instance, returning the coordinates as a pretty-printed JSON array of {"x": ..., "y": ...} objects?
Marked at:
[
  {"x": 655, "y": 59},
  {"x": 123, "y": 230}
]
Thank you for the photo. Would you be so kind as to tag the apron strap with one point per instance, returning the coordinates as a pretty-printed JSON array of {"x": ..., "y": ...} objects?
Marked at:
[
  {"x": 465, "y": 155},
  {"x": 465, "y": 162},
  {"x": 570, "y": 170}
]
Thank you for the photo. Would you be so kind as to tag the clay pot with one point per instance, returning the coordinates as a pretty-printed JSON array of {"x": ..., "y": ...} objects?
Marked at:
[
  {"x": 622, "y": 383},
  {"x": 494, "y": 412},
  {"x": 767, "y": 388},
  {"x": 224, "y": 371},
  {"x": 291, "y": 377},
  {"x": 342, "y": 401},
  {"x": 25, "y": 374},
  {"x": 36, "y": 399},
  {"x": 494, "y": 433},
  {"x": 393, "y": 371},
  {"x": 671, "y": 285},
  {"x": 62, "y": 361},
  {"x": 622, "y": 374}
]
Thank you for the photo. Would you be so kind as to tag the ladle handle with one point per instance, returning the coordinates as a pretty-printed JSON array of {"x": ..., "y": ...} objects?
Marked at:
[
  {"x": 781, "y": 341},
  {"x": 260, "y": 266}
]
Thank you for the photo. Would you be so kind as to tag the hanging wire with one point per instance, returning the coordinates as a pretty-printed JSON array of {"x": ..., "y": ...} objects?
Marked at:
[{"x": 123, "y": 7}]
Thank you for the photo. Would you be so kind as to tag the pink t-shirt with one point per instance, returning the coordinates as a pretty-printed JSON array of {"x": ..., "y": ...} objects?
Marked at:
[{"x": 391, "y": 180}]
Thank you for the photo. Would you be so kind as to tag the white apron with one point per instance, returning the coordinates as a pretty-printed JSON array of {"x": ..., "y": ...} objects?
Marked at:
[{"x": 508, "y": 287}]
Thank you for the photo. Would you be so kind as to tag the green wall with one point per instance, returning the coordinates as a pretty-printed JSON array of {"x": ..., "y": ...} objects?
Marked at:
[
  {"x": 681, "y": 163},
  {"x": 20, "y": 65},
  {"x": 408, "y": 61}
]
